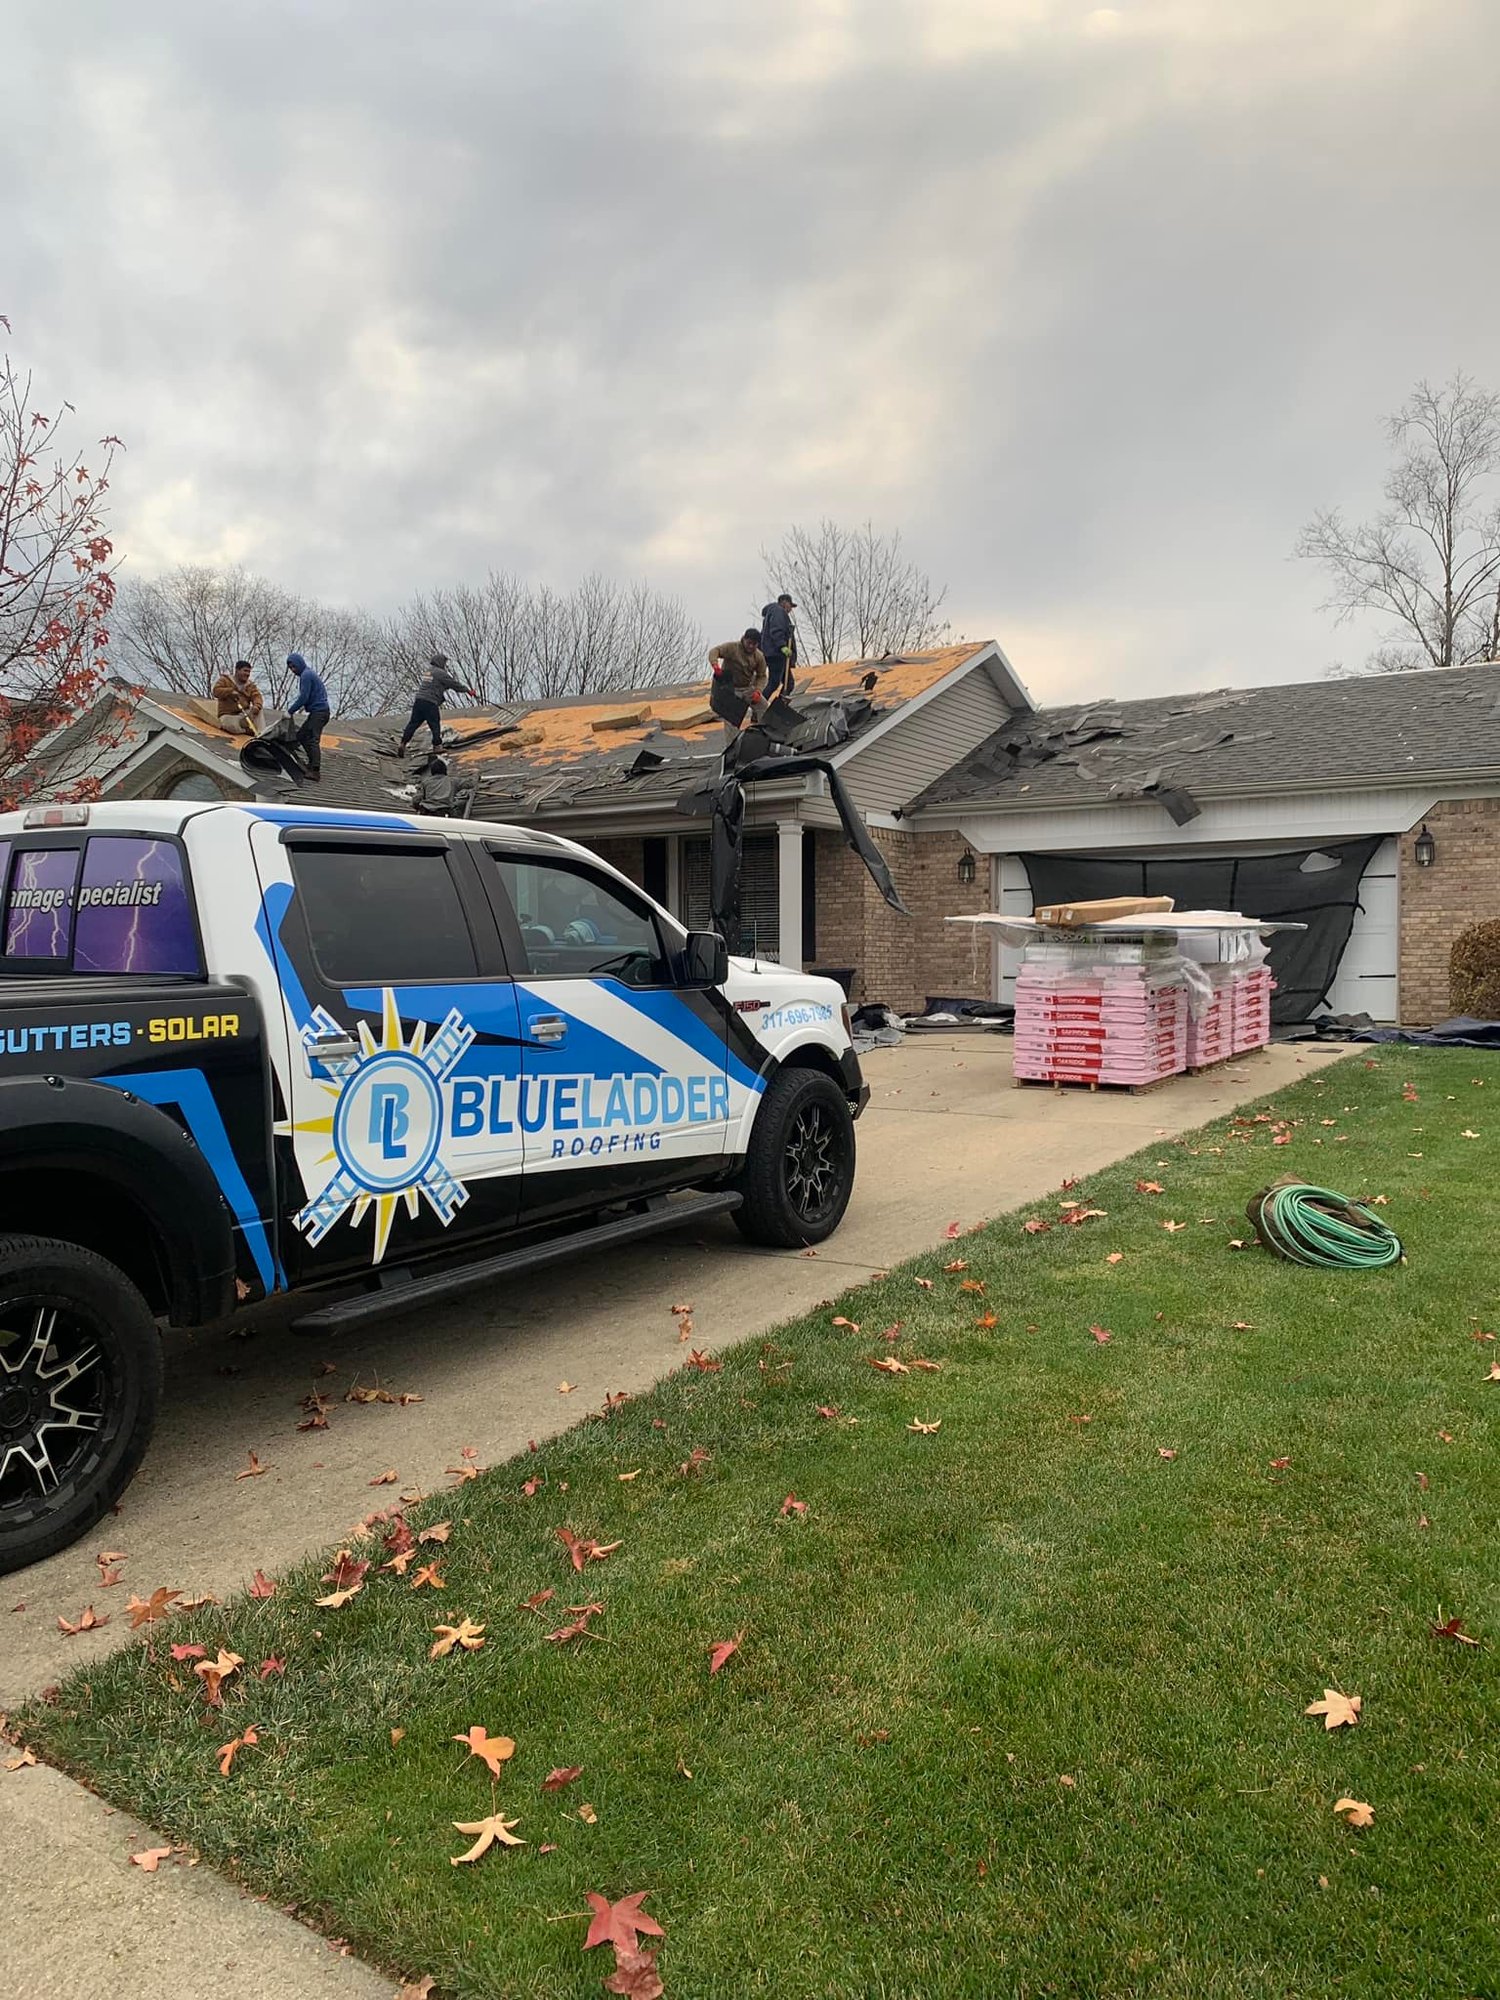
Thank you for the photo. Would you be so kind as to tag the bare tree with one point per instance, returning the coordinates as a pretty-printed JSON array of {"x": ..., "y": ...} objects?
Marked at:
[
  {"x": 1429, "y": 561},
  {"x": 522, "y": 642},
  {"x": 859, "y": 594},
  {"x": 56, "y": 575},
  {"x": 182, "y": 630}
]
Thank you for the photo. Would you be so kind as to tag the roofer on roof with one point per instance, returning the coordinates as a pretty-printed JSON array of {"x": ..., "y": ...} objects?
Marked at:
[
  {"x": 240, "y": 700},
  {"x": 778, "y": 638},
  {"x": 312, "y": 699},
  {"x": 427, "y": 704},
  {"x": 739, "y": 679}
]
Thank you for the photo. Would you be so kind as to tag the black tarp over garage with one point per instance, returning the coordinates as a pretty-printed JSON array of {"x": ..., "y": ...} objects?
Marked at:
[{"x": 1316, "y": 886}]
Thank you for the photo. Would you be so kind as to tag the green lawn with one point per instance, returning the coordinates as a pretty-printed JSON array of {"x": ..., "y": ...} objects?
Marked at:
[{"x": 1019, "y": 1706}]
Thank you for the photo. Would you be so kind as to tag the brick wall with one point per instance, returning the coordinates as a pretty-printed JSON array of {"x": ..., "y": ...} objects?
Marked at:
[
  {"x": 901, "y": 960},
  {"x": 1462, "y": 887},
  {"x": 623, "y": 853}
]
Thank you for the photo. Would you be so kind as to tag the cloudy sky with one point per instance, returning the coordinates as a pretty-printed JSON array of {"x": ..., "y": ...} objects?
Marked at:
[{"x": 1094, "y": 304}]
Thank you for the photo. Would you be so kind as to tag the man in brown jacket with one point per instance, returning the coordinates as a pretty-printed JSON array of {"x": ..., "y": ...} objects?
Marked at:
[
  {"x": 738, "y": 685},
  {"x": 239, "y": 699}
]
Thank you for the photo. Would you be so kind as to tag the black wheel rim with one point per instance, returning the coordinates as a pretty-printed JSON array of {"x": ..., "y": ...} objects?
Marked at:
[
  {"x": 59, "y": 1407},
  {"x": 814, "y": 1164}
]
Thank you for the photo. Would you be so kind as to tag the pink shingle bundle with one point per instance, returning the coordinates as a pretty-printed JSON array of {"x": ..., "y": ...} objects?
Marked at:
[{"x": 1107, "y": 1024}]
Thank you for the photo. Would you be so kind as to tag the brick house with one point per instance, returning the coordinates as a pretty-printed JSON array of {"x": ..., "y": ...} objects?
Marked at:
[{"x": 1313, "y": 792}]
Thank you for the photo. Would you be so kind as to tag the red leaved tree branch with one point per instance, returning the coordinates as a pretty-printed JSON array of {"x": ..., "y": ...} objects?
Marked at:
[{"x": 56, "y": 575}]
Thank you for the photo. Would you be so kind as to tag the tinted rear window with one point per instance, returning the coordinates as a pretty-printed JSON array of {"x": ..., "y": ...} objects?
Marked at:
[
  {"x": 134, "y": 912},
  {"x": 39, "y": 907},
  {"x": 383, "y": 916}
]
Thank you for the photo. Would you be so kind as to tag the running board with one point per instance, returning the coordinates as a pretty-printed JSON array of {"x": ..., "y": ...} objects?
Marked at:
[{"x": 672, "y": 1214}]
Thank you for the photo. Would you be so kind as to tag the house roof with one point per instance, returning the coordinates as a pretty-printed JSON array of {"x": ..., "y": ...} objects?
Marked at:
[
  {"x": 1375, "y": 729},
  {"x": 535, "y": 759}
]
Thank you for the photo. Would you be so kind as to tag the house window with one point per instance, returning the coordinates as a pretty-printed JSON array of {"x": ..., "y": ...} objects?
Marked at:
[
  {"x": 192, "y": 785},
  {"x": 760, "y": 896}
]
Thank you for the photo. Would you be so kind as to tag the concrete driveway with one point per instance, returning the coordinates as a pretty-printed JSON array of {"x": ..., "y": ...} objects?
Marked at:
[{"x": 947, "y": 1137}]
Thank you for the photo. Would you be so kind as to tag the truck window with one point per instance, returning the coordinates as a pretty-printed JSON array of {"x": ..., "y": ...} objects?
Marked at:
[
  {"x": 577, "y": 924},
  {"x": 134, "y": 911},
  {"x": 383, "y": 916},
  {"x": 39, "y": 906}
]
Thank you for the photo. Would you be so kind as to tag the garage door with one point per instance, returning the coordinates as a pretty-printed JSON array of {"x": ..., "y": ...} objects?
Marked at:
[{"x": 1366, "y": 982}]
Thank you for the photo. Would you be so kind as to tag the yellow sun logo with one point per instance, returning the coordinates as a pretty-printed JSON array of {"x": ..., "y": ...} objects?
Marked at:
[{"x": 384, "y": 1126}]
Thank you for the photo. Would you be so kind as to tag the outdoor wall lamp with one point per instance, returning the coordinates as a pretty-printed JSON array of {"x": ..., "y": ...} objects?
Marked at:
[
  {"x": 1424, "y": 848},
  {"x": 966, "y": 866}
]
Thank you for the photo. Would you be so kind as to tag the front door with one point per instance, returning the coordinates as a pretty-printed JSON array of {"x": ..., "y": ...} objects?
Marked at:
[
  {"x": 402, "y": 1042},
  {"x": 624, "y": 1086}
]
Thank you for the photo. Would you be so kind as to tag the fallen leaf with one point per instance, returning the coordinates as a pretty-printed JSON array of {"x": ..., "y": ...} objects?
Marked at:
[
  {"x": 213, "y": 1674},
  {"x": 952, "y": 1230},
  {"x": 851, "y": 1324},
  {"x": 1149, "y": 1187},
  {"x": 635, "y": 1976},
  {"x": 920, "y": 1361},
  {"x": 438, "y": 1532},
  {"x": 229, "y": 1751},
  {"x": 1467, "y": 1134},
  {"x": 1071, "y": 1783},
  {"x": 1337, "y": 1710},
  {"x": 1101, "y": 1334},
  {"x": 1494, "y": 1372},
  {"x": 718, "y": 1654},
  {"x": 464, "y": 1634},
  {"x": 536, "y": 1600},
  {"x": 888, "y": 1364},
  {"x": 925, "y": 1430},
  {"x": 582, "y": 1549},
  {"x": 579, "y": 1629},
  {"x": 150, "y": 1859},
  {"x": 383, "y": 1479},
  {"x": 1242, "y": 1326},
  {"x": 146, "y": 1611},
  {"x": 1445, "y": 1437},
  {"x": 1279, "y": 1464},
  {"x": 417, "y": 1989},
  {"x": 1282, "y": 1139},
  {"x": 682, "y": 1769},
  {"x": 619, "y": 1923},
  {"x": 1454, "y": 1629},
  {"x": 792, "y": 1505},
  {"x": 88, "y": 1621},
  {"x": 986, "y": 1320},
  {"x": 558, "y": 1779},
  {"x": 1356, "y": 1812},
  {"x": 695, "y": 1461},
  {"x": 254, "y": 1469},
  {"x": 496, "y": 1828},
  {"x": 566, "y": 1388},
  {"x": 462, "y": 1472},
  {"x": 703, "y": 1363},
  {"x": 958, "y": 1264},
  {"x": 587, "y": 1814},
  {"x": 1166, "y": 1451},
  {"x": 430, "y": 1575},
  {"x": 925, "y": 1284},
  {"x": 269, "y": 1666},
  {"x": 492, "y": 1750},
  {"x": 972, "y": 1285},
  {"x": 1115, "y": 1257},
  {"x": 361, "y": 1395},
  {"x": 1171, "y": 1227},
  {"x": 1036, "y": 1227},
  {"x": 21, "y": 1761},
  {"x": 188, "y": 1652}
]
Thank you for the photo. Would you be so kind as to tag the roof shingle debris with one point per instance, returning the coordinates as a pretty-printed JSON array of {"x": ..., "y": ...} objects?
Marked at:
[
  {"x": 1174, "y": 749},
  {"x": 531, "y": 759}
]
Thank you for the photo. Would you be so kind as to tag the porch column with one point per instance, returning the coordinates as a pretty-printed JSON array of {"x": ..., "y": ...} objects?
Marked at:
[
  {"x": 789, "y": 891},
  {"x": 676, "y": 894}
]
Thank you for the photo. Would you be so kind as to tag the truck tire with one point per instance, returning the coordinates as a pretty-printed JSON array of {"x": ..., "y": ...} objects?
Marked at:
[
  {"x": 80, "y": 1384},
  {"x": 799, "y": 1172}
]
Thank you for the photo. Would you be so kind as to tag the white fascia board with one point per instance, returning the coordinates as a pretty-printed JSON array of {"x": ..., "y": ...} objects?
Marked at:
[
  {"x": 1285, "y": 818},
  {"x": 988, "y": 656},
  {"x": 169, "y": 745}
]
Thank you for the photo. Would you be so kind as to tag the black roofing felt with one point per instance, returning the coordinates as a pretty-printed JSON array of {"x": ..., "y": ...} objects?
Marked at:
[{"x": 1329, "y": 732}]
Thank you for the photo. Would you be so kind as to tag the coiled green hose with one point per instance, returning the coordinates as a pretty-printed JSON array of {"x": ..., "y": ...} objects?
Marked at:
[{"x": 1313, "y": 1225}]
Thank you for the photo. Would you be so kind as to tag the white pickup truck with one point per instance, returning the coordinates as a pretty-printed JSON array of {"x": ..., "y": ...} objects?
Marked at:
[{"x": 252, "y": 1049}]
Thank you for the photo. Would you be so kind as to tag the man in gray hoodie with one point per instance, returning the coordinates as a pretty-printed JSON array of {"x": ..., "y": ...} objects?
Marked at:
[{"x": 427, "y": 705}]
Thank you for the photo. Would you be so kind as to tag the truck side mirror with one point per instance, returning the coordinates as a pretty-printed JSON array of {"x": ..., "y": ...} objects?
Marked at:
[{"x": 705, "y": 959}]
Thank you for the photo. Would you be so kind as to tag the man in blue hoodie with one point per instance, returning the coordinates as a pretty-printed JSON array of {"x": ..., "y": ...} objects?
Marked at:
[{"x": 312, "y": 700}]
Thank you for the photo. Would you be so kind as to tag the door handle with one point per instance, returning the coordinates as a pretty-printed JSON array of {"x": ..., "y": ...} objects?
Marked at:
[
  {"x": 331, "y": 1048},
  {"x": 548, "y": 1028}
]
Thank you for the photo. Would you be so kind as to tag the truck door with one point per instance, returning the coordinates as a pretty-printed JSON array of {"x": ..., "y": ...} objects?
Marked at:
[
  {"x": 402, "y": 1034},
  {"x": 624, "y": 1086}
]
